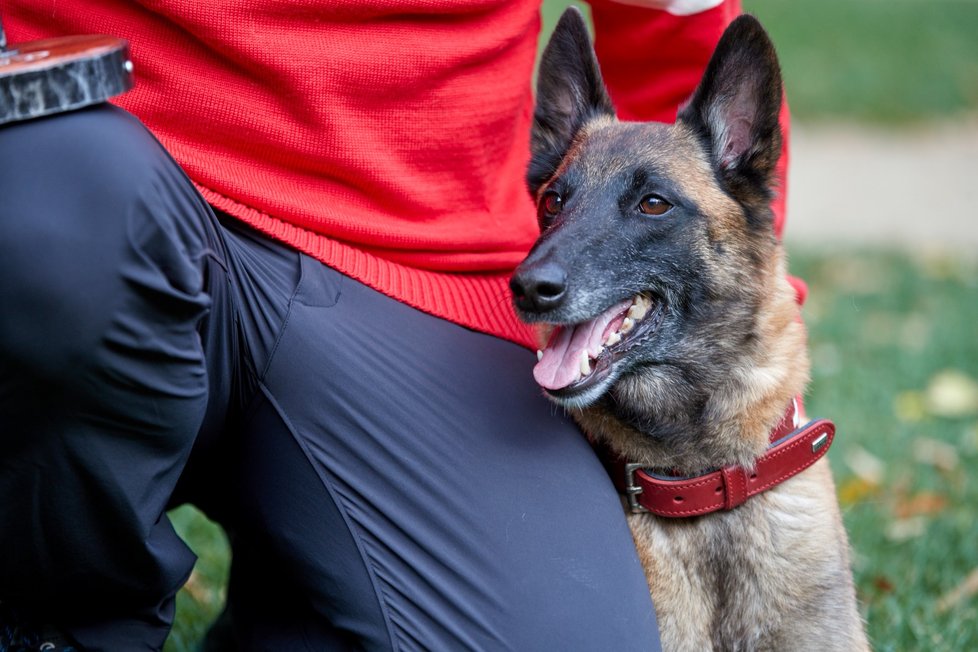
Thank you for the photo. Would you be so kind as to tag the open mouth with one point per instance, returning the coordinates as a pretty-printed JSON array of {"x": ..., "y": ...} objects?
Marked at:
[{"x": 579, "y": 356}]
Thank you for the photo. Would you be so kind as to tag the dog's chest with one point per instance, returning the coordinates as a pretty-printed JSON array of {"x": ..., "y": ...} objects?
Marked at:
[
  {"x": 736, "y": 580},
  {"x": 698, "y": 574}
]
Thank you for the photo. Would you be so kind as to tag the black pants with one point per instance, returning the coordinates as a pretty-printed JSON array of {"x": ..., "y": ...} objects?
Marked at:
[{"x": 390, "y": 480}]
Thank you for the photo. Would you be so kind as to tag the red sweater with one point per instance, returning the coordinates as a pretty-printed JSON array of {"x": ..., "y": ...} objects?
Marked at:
[{"x": 387, "y": 138}]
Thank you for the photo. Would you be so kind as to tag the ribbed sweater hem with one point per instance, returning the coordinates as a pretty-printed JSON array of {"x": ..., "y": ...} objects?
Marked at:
[{"x": 480, "y": 302}]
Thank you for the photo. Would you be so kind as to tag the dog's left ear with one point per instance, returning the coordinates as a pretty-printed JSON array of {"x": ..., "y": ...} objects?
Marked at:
[
  {"x": 570, "y": 92},
  {"x": 736, "y": 107}
]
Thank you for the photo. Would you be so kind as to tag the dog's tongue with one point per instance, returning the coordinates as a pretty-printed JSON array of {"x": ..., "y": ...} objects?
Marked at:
[{"x": 560, "y": 364}]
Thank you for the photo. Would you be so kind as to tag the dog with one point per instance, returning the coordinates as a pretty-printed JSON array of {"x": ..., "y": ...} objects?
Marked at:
[{"x": 674, "y": 338}]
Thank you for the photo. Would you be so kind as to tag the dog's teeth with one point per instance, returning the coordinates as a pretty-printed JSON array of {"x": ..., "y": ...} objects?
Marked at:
[
  {"x": 539, "y": 355},
  {"x": 643, "y": 302},
  {"x": 638, "y": 311},
  {"x": 627, "y": 325},
  {"x": 585, "y": 364},
  {"x": 613, "y": 339}
]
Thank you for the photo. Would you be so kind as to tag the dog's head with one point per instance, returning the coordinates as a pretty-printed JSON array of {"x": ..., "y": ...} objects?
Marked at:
[{"x": 657, "y": 243}]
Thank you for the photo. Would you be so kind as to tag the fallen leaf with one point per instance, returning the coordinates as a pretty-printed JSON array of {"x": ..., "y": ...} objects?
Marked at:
[
  {"x": 936, "y": 453},
  {"x": 905, "y": 529},
  {"x": 910, "y": 406},
  {"x": 937, "y": 264},
  {"x": 967, "y": 588},
  {"x": 855, "y": 490},
  {"x": 196, "y": 588},
  {"x": 952, "y": 394},
  {"x": 857, "y": 275},
  {"x": 921, "y": 504},
  {"x": 933, "y": 264},
  {"x": 864, "y": 464}
]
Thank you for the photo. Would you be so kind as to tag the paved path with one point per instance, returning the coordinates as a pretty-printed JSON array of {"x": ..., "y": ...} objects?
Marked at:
[{"x": 915, "y": 187}]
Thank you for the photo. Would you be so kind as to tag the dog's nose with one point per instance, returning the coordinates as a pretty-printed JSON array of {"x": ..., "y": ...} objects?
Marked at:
[{"x": 539, "y": 287}]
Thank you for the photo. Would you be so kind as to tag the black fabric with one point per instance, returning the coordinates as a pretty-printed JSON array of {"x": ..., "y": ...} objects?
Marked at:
[
  {"x": 389, "y": 480},
  {"x": 102, "y": 377}
]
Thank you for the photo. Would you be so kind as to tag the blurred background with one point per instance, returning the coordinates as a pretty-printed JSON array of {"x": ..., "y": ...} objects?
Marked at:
[{"x": 883, "y": 225}]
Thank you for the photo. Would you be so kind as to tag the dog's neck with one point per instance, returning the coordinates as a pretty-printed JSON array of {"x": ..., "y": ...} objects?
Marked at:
[{"x": 702, "y": 414}]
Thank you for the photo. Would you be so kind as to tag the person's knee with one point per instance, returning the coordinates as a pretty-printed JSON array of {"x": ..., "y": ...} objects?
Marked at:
[
  {"x": 86, "y": 221},
  {"x": 91, "y": 157}
]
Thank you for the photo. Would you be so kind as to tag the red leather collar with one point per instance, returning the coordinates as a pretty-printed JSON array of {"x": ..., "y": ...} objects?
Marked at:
[{"x": 792, "y": 450}]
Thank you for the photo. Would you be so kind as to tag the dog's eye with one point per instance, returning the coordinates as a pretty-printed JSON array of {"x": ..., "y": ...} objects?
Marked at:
[
  {"x": 550, "y": 205},
  {"x": 654, "y": 205}
]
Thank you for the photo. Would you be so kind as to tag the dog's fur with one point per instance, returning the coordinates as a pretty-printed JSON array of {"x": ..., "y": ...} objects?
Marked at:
[{"x": 703, "y": 380}]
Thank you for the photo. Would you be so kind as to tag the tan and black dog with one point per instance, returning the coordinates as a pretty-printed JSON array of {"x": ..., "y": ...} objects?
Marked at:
[{"x": 674, "y": 338}]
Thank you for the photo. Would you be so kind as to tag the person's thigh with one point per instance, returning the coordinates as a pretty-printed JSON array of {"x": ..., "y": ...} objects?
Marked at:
[
  {"x": 106, "y": 254},
  {"x": 406, "y": 486}
]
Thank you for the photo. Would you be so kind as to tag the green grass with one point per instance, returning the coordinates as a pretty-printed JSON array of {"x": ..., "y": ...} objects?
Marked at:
[
  {"x": 883, "y": 326},
  {"x": 202, "y": 598},
  {"x": 891, "y": 61},
  {"x": 883, "y": 329},
  {"x": 875, "y": 60}
]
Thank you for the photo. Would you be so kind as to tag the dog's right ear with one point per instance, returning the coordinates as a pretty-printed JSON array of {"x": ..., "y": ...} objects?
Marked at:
[{"x": 569, "y": 93}]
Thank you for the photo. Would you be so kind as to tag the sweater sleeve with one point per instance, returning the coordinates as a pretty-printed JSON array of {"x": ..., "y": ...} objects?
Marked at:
[{"x": 652, "y": 54}]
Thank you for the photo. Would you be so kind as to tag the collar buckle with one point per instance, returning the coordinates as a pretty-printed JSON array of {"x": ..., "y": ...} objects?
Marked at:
[{"x": 632, "y": 490}]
